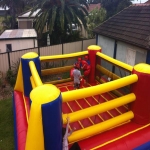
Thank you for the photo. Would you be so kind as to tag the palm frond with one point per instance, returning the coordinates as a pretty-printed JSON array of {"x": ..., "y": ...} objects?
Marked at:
[{"x": 52, "y": 20}]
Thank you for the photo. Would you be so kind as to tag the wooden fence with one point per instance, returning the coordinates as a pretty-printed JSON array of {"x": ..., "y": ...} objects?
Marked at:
[{"x": 9, "y": 58}]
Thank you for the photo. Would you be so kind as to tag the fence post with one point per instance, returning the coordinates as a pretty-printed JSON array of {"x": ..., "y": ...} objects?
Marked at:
[
  {"x": 38, "y": 50},
  {"x": 9, "y": 60},
  {"x": 82, "y": 46},
  {"x": 62, "y": 48}
]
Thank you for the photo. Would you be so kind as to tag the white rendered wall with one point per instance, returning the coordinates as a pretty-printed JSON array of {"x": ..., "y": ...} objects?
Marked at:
[
  {"x": 18, "y": 44},
  {"x": 125, "y": 52},
  {"x": 107, "y": 45}
]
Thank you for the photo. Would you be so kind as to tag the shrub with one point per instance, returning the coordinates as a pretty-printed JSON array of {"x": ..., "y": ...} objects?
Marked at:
[
  {"x": 11, "y": 77},
  {"x": 11, "y": 74}
]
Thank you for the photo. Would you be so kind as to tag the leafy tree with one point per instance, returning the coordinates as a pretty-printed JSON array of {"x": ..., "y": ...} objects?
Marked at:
[
  {"x": 15, "y": 8},
  {"x": 114, "y": 6},
  {"x": 59, "y": 15},
  {"x": 7, "y": 22},
  {"x": 95, "y": 18}
]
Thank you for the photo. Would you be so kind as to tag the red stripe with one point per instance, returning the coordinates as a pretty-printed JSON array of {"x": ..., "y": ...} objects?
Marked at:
[
  {"x": 27, "y": 101},
  {"x": 21, "y": 121}
]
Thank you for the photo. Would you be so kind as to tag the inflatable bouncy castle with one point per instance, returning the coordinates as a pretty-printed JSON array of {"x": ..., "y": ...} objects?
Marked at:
[{"x": 107, "y": 114}]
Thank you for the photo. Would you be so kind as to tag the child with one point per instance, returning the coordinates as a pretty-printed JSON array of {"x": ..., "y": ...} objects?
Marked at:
[
  {"x": 86, "y": 68},
  {"x": 76, "y": 77},
  {"x": 65, "y": 135},
  {"x": 78, "y": 63},
  {"x": 86, "y": 58}
]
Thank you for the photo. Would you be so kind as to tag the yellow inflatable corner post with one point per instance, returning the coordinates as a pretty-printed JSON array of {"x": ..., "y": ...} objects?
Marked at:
[{"x": 45, "y": 120}]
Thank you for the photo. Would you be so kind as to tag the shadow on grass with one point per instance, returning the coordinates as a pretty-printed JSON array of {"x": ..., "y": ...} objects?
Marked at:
[{"x": 6, "y": 125}]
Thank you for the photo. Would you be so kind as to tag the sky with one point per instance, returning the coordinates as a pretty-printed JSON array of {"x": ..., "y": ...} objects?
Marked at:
[{"x": 138, "y": 1}]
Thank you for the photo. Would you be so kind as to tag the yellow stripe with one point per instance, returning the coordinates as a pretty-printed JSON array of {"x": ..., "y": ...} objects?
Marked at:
[
  {"x": 25, "y": 108},
  {"x": 120, "y": 137}
]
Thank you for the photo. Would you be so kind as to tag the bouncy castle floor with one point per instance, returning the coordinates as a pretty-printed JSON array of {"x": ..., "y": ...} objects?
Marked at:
[
  {"x": 121, "y": 137},
  {"x": 88, "y": 102}
]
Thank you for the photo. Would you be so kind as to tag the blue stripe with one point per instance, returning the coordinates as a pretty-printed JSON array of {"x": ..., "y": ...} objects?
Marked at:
[
  {"x": 27, "y": 73},
  {"x": 52, "y": 124},
  {"x": 145, "y": 146}
]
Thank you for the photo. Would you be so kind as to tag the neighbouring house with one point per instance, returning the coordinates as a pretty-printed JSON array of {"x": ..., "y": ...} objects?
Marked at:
[
  {"x": 18, "y": 39},
  {"x": 25, "y": 21},
  {"x": 3, "y": 11},
  {"x": 126, "y": 35}
]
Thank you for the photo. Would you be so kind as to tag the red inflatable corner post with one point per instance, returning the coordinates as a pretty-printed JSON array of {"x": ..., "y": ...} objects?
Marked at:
[
  {"x": 92, "y": 50},
  {"x": 141, "y": 89}
]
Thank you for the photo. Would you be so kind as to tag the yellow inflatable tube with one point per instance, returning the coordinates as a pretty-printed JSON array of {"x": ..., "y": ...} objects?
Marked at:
[
  {"x": 101, "y": 127},
  {"x": 35, "y": 74},
  {"x": 114, "y": 61},
  {"x": 99, "y": 89},
  {"x": 32, "y": 82},
  {"x": 91, "y": 111},
  {"x": 42, "y": 58}
]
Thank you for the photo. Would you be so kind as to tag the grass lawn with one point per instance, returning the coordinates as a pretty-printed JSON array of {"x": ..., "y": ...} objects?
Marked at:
[{"x": 6, "y": 125}]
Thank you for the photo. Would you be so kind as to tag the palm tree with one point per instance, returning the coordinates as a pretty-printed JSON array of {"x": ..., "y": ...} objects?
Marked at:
[{"x": 59, "y": 15}]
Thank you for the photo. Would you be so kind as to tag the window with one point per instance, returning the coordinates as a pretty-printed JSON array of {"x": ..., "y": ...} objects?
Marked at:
[{"x": 8, "y": 48}]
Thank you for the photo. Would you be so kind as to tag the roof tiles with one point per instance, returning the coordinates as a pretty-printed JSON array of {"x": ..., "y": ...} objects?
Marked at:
[{"x": 131, "y": 25}]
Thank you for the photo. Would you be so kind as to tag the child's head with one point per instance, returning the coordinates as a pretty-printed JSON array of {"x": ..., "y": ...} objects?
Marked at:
[
  {"x": 79, "y": 59},
  {"x": 76, "y": 67},
  {"x": 86, "y": 57}
]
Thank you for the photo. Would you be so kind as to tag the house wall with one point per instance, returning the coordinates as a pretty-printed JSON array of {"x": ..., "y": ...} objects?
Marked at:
[
  {"x": 130, "y": 54},
  {"x": 107, "y": 45},
  {"x": 125, "y": 52},
  {"x": 25, "y": 25},
  {"x": 3, "y": 12},
  {"x": 18, "y": 44}
]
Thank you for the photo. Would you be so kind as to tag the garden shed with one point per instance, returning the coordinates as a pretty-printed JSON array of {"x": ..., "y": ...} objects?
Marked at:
[{"x": 17, "y": 39}]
